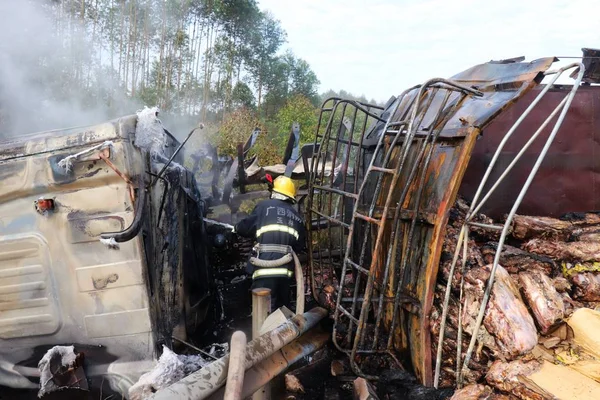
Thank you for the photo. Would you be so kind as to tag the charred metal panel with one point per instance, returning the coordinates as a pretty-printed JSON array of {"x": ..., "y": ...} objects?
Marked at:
[
  {"x": 384, "y": 288},
  {"x": 180, "y": 282},
  {"x": 570, "y": 173},
  {"x": 60, "y": 285}
]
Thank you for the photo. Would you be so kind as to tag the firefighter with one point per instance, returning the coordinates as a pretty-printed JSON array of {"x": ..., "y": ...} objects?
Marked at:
[{"x": 278, "y": 230}]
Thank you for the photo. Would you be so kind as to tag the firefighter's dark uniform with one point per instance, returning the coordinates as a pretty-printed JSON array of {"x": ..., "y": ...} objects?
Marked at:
[{"x": 274, "y": 222}]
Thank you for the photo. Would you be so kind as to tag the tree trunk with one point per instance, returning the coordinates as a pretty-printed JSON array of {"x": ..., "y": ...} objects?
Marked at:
[{"x": 121, "y": 41}]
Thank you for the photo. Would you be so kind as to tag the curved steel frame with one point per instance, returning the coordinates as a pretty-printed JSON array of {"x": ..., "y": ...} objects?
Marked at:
[
  {"x": 476, "y": 205},
  {"x": 406, "y": 130}
]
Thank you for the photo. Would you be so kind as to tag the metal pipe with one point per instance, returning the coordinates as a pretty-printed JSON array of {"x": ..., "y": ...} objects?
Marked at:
[
  {"x": 210, "y": 378},
  {"x": 235, "y": 371},
  {"x": 516, "y": 159},
  {"x": 136, "y": 225},
  {"x": 159, "y": 175},
  {"x": 265, "y": 371},
  {"x": 538, "y": 162},
  {"x": 498, "y": 151},
  {"x": 261, "y": 307},
  {"x": 299, "y": 284}
]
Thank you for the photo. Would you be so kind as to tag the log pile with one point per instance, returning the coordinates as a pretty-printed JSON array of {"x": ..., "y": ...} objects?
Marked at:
[{"x": 548, "y": 276}]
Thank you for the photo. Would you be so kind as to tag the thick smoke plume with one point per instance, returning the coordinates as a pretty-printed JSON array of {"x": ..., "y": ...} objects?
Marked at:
[{"x": 49, "y": 75}]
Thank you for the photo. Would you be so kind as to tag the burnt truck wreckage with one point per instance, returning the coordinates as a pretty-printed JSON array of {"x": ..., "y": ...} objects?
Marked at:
[
  {"x": 100, "y": 251},
  {"x": 116, "y": 256}
]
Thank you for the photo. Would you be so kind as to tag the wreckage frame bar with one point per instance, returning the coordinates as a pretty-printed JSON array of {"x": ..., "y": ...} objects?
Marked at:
[
  {"x": 428, "y": 91},
  {"x": 476, "y": 205}
]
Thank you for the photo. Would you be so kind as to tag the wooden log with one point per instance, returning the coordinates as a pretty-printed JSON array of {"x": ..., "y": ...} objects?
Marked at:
[
  {"x": 543, "y": 299},
  {"x": 586, "y": 234},
  {"x": 565, "y": 251},
  {"x": 527, "y": 227},
  {"x": 363, "y": 390},
  {"x": 506, "y": 317},
  {"x": 587, "y": 286},
  {"x": 582, "y": 218},
  {"x": 477, "y": 392},
  {"x": 541, "y": 380},
  {"x": 515, "y": 260}
]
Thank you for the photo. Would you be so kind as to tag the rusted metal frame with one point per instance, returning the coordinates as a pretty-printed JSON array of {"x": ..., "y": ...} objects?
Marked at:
[
  {"x": 540, "y": 159},
  {"x": 336, "y": 191},
  {"x": 327, "y": 137},
  {"x": 460, "y": 300},
  {"x": 438, "y": 362},
  {"x": 397, "y": 214},
  {"x": 358, "y": 267},
  {"x": 359, "y": 339},
  {"x": 378, "y": 147},
  {"x": 346, "y": 313},
  {"x": 315, "y": 161},
  {"x": 404, "y": 298},
  {"x": 411, "y": 130},
  {"x": 331, "y": 219},
  {"x": 311, "y": 182},
  {"x": 340, "y": 129},
  {"x": 404, "y": 260},
  {"x": 356, "y": 215},
  {"x": 377, "y": 188},
  {"x": 344, "y": 171},
  {"x": 362, "y": 104},
  {"x": 123, "y": 176},
  {"x": 421, "y": 356},
  {"x": 351, "y": 231},
  {"x": 395, "y": 223}
]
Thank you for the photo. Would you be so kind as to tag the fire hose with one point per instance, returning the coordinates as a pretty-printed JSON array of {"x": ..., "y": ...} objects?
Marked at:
[{"x": 297, "y": 271}]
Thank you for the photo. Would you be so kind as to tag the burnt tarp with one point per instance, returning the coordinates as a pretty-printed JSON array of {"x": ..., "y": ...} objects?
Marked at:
[
  {"x": 384, "y": 290},
  {"x": 569, "y": 177},
  {"x": 180, "y": 278}
]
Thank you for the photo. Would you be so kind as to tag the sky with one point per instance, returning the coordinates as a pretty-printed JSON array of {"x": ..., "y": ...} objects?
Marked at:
[{"x": 381, "y": 47}]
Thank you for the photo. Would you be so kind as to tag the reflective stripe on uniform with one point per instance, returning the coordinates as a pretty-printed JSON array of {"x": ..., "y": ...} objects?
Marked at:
[
  {"x": 277, "y": 228},
  {"x": 268, "y": 272}
]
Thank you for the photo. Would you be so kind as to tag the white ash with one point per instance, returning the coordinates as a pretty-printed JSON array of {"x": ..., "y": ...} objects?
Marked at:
[
  {"x": 67, "y": 356},
  {"x": 67, "y": 162},
  {"x": 149, "y": 132},
  {"x": 110, "y": 243},
  {"x": 170, "y": 368}
]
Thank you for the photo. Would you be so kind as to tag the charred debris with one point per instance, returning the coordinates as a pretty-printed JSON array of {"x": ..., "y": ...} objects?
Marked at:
[{"x": 419, "y": 291}]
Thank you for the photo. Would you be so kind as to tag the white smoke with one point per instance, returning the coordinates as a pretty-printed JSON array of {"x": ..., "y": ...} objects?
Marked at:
[{"x": 50, "y": 74}]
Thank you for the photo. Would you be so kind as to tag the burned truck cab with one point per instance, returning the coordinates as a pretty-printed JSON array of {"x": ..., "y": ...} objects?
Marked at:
[{"x": 98, "y": 251}]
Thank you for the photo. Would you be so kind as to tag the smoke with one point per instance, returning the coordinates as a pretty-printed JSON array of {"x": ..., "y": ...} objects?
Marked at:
[{"x": 51, "y": 74}]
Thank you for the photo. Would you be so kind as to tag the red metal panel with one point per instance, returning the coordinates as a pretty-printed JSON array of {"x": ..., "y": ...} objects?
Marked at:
[{"x": 568, "y": 179}]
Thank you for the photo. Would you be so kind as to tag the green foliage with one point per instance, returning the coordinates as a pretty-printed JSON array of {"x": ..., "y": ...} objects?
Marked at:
[
  {"x": 298, "y": 109},
  {"x": 236, "y": 128},
  {"x": 242, "y": 97}
]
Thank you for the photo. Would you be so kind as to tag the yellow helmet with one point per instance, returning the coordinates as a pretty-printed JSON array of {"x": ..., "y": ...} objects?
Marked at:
[{"x": 285, "y": 186}]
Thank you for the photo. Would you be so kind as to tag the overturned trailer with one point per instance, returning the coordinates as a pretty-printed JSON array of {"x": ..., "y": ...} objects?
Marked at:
[
  {"x": 376, "y": 235},
  {"x": 98, "y": 251}
]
